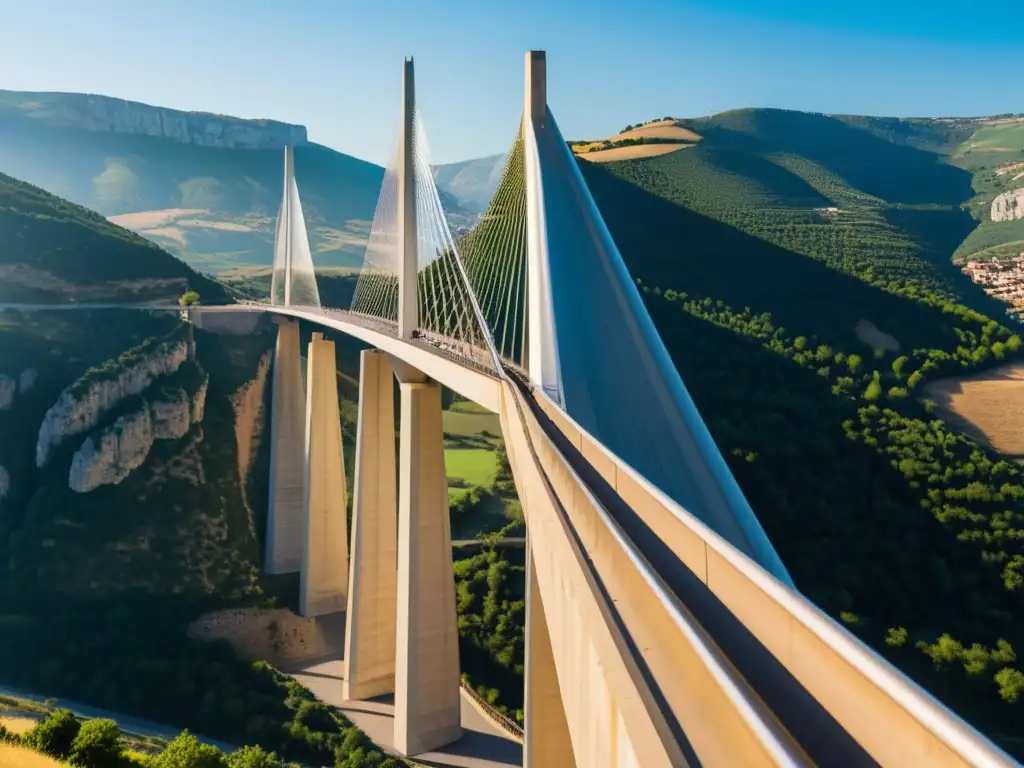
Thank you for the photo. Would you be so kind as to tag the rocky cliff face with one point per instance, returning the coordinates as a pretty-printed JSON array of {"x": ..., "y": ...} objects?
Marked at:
[
  {"x": 109, "y": 115},
  {"x": 171, "y": 417},
  {"x": 109, "y": 458},
  {"x": 1008, "y": 206},
  {"x": 81, "y": 406}
]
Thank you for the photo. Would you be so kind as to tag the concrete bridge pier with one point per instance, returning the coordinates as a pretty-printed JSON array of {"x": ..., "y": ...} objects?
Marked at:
[
  {"x": 287, "y": 441},
  {"x": 323, "y": 580},
  {"x": 427, "y": 698},
  {"x": 373, "y": 581},
  {"x": 547, "y": 743}
]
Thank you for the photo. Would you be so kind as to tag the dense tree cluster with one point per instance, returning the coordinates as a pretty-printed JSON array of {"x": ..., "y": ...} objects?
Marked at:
[
  {"x": 489, "y": 588},
  {"x": 98, "y": 744}
]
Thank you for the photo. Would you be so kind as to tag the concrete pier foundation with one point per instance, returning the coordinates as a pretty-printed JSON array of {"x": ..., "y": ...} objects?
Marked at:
[
  {"x": 323, "y": 580},
  {"x": 287, "y": 450},
  {"x": 373, "y": 581},
  {"x": 547, "y": 741},
  {"x": 427, "y": 700}
]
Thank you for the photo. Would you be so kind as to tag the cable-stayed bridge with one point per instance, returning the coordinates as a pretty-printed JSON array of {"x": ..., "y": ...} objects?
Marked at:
[{"x": 662, "y": 627}]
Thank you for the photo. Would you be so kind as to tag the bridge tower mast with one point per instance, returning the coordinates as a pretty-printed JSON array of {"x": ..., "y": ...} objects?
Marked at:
[
  {"x": 289, "y": 173},
  {"x": 408, "y": 302}
]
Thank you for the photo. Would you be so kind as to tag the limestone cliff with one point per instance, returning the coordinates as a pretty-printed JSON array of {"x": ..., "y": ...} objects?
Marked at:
[
  {"x": 8, "y": 387},
  {"x": 104, "y": 114},
  {"x": 109, "y": 458},
  {"x": 170, "y": 412},
  {"x": 171, "y": 416},
  {"x": 81, "y": 406},
  {"x": 1008, "y": 206}
]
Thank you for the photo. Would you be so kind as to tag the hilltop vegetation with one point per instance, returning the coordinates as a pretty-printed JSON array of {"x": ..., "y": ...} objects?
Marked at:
[{"x": 761, "y": 253}]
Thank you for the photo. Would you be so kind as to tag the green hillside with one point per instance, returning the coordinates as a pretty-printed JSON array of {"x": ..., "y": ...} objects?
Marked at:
[
  {"x": 786, "y": 318},
  {"x": 55, "y": 251},
  {"x": 994, "y": 154}
]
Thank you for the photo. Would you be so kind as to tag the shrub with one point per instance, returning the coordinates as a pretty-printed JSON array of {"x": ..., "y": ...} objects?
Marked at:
[
  {"x": 97, "y": 745},
  {"x": 186, "y": 751},
  {"x": 253, "y": 757},
  {"x": 54, "y": 735}
]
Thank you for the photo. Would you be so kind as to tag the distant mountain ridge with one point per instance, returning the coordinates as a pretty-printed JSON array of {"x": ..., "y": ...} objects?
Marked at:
[
  {"x": 105, "y": 114},
  {"x": 204, "y": 187},
  {"x": 471, "y": 182}
]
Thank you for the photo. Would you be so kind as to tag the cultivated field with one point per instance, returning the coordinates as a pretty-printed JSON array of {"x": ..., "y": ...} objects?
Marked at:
[
  {"x": 632, "y": 152},
  {"x": 662, "y": 129},
  {"x": 988, "y": 407},
  {"x": 153, "y": 219}
]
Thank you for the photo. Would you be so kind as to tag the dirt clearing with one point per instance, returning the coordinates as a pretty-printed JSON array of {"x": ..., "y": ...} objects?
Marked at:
[{"x": 988, "y": 407}]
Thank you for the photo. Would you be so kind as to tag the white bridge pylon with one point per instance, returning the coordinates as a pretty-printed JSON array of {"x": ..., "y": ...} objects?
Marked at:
[{"x": 293, "y": 282}]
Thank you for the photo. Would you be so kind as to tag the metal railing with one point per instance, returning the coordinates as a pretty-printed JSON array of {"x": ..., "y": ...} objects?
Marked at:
[{"x": 502, "y": 721}]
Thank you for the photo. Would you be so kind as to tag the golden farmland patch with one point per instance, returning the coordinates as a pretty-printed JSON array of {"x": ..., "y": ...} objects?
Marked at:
[
  {"x": 632, "y": 152},
  {"x": 151, "y": 219},
  {"x": 988, "y": 407}
]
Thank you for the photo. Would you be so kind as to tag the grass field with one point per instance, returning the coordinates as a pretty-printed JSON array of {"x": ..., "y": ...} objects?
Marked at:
[
  {"x": 472, "y": 466},
  {"x": 988, "y": 407},
  {"x": 19, "y": 724},
  {"x": 19, "y": 757}
]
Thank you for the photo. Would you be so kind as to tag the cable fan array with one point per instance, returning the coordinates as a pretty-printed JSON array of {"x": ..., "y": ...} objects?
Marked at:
[
  {"x": 448, "y": 318},
  {"x": 494, "y": 253}
]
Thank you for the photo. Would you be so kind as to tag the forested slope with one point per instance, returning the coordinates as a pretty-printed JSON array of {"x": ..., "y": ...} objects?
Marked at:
[{"x": 805, "y": 337}]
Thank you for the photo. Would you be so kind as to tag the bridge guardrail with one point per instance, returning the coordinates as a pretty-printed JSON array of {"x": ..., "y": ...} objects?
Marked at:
[
  {"x": 504, "y": 722},
  {"x": 894, "y": 719},
  {"x": 667, "y": 681}
]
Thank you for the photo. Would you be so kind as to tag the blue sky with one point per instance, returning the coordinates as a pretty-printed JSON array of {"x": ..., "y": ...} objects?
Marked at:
[{"x": 334, "y": 65}]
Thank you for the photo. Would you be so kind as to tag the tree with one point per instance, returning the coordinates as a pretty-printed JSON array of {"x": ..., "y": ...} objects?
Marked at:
[
  {"x": 54, "y": 735},
  {"x": 873, "y": 392},
  {"x": 853, "y": 363},
  {"x": 189, "y": 298},
  {"x": 898, "y": 364},
  {"x": 97, "y": 745},
  {"x": 186, "y": 751},
  {"x": 253, "y": 757}
]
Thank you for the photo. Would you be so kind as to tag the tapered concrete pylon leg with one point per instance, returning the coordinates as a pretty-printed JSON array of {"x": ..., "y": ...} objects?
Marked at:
[
  {"x": 287, "y": 476},
  {"x": 323, "y": 580},
  {"x": 547, "y": 743},
  {"x": 427, "y": 701},
  {"x": 373, "y": 580}
]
